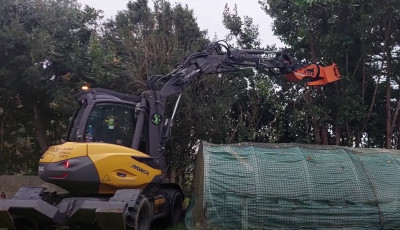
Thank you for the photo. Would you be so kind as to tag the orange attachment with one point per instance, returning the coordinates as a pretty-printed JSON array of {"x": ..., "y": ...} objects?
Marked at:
[{"x": 319, "y": 75}]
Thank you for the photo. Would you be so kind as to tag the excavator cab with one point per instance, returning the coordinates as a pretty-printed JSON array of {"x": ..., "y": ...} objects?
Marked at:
[
  {"x": 107, "y": 122},
  {"x": 104, "y": 116}
]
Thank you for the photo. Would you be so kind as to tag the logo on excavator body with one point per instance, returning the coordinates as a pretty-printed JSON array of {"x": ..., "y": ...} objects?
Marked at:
[
  {"x": 106, "y": 178},
  {"x": 156, "y": 118},
  {"x": 137, "y": 168}
]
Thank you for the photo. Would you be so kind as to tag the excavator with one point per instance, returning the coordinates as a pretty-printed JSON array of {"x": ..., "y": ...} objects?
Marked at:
[{"x": 113, "y": 161}]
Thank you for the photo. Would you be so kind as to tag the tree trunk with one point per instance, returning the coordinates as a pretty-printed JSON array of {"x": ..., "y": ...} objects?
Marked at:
[
  {"x": 347, "y": 62},
  {"x": 180, "y": 179},
  {"x": 314, "y": 122},
  {"x": 308, "y": 130},
  {"x": 2, "y": 132},
  {"x": 337, "y": 125},
  {"x": 337, "y": 133},
  {"x": 388, "y": 97},
  {"x": 358, "y": 139},
  {"x": 172, "y": 175},
  {"x": 386, "y": 50},
  {"x": 39, "y": 128},
  {"x": 349, "y": 138},
  {"x": 364, "y": 81},
  {"x": 395, "y": 116},
  {"x": 398, "y": 138},
  {"x": 388, "y": 120},
  {"x": 316, "y": 130},
  {"x": 307, "y": 98},
  {"x": 324, "y": 135},
  {"x": 372, "y": 102}
]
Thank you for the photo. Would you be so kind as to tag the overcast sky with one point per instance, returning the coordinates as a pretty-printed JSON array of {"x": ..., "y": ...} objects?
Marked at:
[{"x": 208, "y": 14}]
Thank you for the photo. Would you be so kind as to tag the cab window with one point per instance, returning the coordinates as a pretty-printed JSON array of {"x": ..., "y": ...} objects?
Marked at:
[
  {"x": 73, "y": 134},
  {"x": 111, "y": 123}
]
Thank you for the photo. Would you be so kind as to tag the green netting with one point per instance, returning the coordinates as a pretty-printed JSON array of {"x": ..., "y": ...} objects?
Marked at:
[{"x": 288, "y": 186}]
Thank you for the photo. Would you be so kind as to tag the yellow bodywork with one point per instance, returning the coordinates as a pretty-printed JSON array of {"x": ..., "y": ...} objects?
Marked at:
[
  {"x": 114, "y": 164},
  {"x": 65, "y": 151}
]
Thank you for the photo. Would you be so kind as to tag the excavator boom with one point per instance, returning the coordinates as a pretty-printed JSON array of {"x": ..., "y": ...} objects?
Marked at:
[{"x": 219, "y": 57}]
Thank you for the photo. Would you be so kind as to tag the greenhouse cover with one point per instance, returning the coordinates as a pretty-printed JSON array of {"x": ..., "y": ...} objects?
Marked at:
[{"x": 293, "y": 186}]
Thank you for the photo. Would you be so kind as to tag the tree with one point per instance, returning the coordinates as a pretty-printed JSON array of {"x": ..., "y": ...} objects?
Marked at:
[
  {"x": 346, "y": 33},
  {"x": 45, "y": 46}
]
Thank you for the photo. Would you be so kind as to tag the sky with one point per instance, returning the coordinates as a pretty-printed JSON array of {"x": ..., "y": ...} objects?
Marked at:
[{"x": 208, "y": 14}]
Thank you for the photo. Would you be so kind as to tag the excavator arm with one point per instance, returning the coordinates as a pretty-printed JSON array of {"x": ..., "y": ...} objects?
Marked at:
[{"x": 219, "y": 57}]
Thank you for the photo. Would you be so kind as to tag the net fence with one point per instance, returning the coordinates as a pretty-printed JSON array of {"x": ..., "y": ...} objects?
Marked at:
[{"x": 293, "y": 186}]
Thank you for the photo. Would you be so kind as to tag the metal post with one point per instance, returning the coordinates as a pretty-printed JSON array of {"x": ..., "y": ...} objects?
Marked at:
[{"x": 176, "y": 106}]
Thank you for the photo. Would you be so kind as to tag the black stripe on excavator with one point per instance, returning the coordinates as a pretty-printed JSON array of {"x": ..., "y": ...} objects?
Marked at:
[
  {"x": 78, "y": 176},
  {"x": 147, "y": 160}
]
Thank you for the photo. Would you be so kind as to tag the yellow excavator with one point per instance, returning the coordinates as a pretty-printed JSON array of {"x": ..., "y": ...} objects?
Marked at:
[{"x": 113, "y": 161}]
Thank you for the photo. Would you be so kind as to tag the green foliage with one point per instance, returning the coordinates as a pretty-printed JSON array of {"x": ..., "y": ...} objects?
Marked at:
[
  {"x": 347, "y": 33},
  {"x": 244, "y": 31},
  {"x": 146, "y": 42},
  {"x": 45, "y": 46}
]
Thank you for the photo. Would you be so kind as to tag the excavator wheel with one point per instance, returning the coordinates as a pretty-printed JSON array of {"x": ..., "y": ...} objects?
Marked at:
[
  {"x": 176, "y": 209},
  {"x": 141, "y": 215}
]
